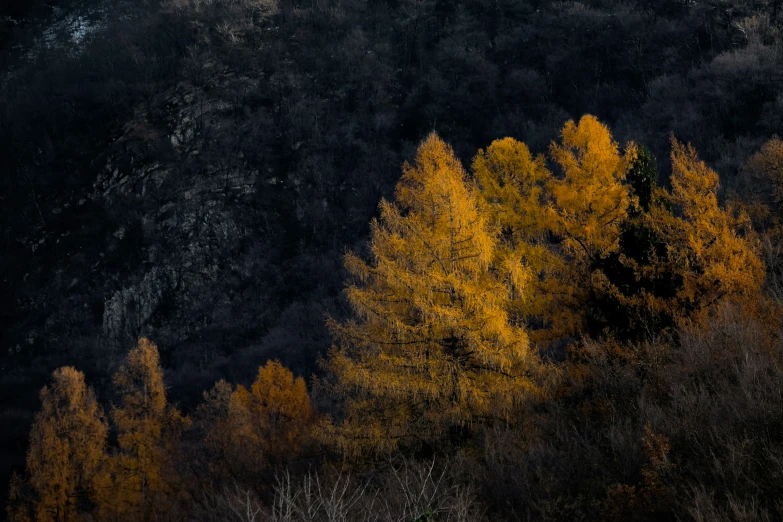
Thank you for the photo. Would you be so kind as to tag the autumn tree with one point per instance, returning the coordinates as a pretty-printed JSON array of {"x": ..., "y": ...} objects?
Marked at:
[
  {"x": 67, "y": 447},
  {"x": 762, "y": 199},
  {"x": 139, "y": 485},
  {"x": 256, "y": 432},
  {"x": 590, "y": 203},
  {"x": 513, "y": 188},
  {"x": 708, "y": 250},
  {"x": 512, "y": 184},
  {"x": 221, "y": 454},
  {"x": 429, "y": 352},
  {"x": 591, "y": 198},
  {"x": 280, "y": 410}
]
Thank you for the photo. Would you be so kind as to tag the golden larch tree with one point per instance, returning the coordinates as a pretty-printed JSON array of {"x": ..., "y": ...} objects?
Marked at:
[
  {"x": 430, "y": 350},
  {"x": 67, "y": 448},
  {"x": 707, "y": 249},
  {"x": 281, "y": 411},
  {"x": 591, "y": 199},
  {"x": 254, "y": 433},
  {"x": 591, "y": 202},
  {"x": 140, "y": 485},
  {"x": 513, "y": 188},
  {"x": 511, "y": 183}
]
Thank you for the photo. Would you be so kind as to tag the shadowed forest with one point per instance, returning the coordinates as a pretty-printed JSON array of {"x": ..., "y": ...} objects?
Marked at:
[{"x": 391, "y": 260}]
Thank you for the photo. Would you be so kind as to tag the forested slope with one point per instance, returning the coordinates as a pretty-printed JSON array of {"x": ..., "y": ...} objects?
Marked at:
[{"x": 196, "y": 173}]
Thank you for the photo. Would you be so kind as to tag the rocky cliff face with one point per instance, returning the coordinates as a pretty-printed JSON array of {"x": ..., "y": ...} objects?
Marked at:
[
  {"x": 188, "y": 210},
  {"x": 178, "y": 240}
]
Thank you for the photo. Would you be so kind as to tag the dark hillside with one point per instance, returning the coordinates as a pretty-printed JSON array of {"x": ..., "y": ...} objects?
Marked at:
[{"x": 194, "y": 171}]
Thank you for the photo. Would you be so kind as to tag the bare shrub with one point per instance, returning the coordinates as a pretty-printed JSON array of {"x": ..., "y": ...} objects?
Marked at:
[
  {"x": 407, "y": 492},
  {"x": 233, "y": 504}
]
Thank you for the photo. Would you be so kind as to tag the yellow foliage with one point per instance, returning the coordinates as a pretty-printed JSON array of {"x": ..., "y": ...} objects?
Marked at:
[
  {"x": 590, "y": 203},
  {"x": 138, "y": 484},
  {"x": 591, "y": 199},
  {"x": 430, "y": 347},
  {"x": 281, "y": 410},
  {"x": 222, "y": 421},
  {"x": 513, "y": 188},
  {"x": 67, "y": 447},
  {"x": 705, "y": 247},
  {"x": 512, "y": 184},
  {"x": 278, "y": 412},
  {"x": 257, "y": 430}
]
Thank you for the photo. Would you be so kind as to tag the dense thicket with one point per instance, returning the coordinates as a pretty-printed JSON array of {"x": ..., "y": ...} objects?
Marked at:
[{"x": 310, "y": 109}]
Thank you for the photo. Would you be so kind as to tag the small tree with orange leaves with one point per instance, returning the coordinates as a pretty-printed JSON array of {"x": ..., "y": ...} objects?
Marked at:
[
  {"x": 430, "y": 351},
  {"x": 706, "y": 248}
]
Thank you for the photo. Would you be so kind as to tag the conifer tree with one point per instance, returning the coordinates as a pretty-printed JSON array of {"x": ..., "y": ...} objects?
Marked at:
[
  {"x": 591, "y": 202},
  {"x": 67, "y": 447},
  {"x": 140, "y": 486},
  {"x": 430, "y": 351},
  {"x": 281, "y": 411},
  {"x": 591, "y": 198},
  {"x": 716, "y": 262},
  {"x": 252, "y": 434},
  {"x": 513, "y": 188}
]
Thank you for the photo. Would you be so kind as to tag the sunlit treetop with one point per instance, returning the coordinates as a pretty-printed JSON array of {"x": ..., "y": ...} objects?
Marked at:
[
  {"x": 429, "y": 348},
  {"x": 591, "y": 197}
]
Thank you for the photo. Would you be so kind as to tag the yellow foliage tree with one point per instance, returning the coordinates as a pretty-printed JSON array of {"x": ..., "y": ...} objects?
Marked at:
[
  {"x": 281, "y": 411},
  {"x": 252, "y": 432},
  {"x": 140, "y": 486},
  {"x": 715, "y": 261},
  {"x": 591, "y": 202},
  {"x": 67, "y": 447},
  {"x": 512, "y": 183},
  {"x": 430, "y": 350},
  {"x": 513, "y": 188},
  {"x": 591, "y": 199}
]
